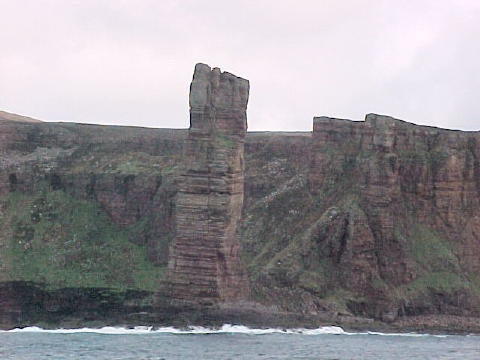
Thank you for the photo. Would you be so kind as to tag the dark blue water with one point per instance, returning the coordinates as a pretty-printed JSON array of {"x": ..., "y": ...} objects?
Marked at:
[{"x": 162, "y": 345}]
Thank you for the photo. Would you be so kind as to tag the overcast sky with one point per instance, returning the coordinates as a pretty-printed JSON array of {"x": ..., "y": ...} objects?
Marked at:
[{"x": 130, "y": 62}]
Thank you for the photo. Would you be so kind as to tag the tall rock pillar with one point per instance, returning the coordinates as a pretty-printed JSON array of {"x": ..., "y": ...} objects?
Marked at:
[{"x": 205, "y": 264}]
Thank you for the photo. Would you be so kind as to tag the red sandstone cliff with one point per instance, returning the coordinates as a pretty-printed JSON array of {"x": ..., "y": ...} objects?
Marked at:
[
  {"x": 378, "y": 218},
  {"x": 384, "y": 222}
]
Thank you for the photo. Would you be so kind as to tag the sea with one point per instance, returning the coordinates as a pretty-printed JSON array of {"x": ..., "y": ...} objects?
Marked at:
[{"x": 231, "y": 342}]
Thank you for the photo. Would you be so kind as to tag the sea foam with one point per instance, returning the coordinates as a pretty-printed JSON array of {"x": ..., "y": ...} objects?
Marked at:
[
  {"x": 141, "y": 330},
  {"x": 199, "y": 330}
]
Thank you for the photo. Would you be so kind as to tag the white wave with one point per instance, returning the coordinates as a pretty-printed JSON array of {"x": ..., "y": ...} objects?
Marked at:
[
  {"x": 225, "y": 329},
  {"x": 403, "y": 334},
  {"x": 199, "y": 330},
  {"x": 104, "y": 330}
]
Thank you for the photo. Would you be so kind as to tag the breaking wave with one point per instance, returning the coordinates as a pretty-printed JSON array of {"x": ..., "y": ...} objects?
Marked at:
[{"x": 199, "y": 330}]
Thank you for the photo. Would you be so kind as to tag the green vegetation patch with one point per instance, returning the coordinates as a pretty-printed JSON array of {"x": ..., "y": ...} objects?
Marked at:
[
  {"x": 438, "y": 268},
  {"x": 131, "y": 163},
  {"x": 62, "y": 241},
  {"x": 431, "y": 251},
  {"x": 442, "y": 281}
]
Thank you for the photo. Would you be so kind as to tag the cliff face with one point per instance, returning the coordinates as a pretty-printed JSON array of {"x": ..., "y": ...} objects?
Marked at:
[
  {"x": 205, "y": 262},
  {"x": 382, "y": 223},
  {"x": 404, "y": 175},
  {"x": 83, "y": 207},
  {"x": 378, "y": 218},
  {"x": 78, "y": 200}
]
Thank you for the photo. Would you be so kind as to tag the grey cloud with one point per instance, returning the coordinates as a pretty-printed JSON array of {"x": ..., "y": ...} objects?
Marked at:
[{"x": 130, "y": 62}]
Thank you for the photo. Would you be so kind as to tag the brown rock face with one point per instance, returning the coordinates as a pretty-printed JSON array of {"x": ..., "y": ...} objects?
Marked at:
[
  {"x": 204, "y": 265},
  {"x": 418, "y": 188}
]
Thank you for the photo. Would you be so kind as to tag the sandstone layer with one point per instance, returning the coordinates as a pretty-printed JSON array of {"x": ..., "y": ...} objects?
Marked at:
[{"x": 205, "y": 265}]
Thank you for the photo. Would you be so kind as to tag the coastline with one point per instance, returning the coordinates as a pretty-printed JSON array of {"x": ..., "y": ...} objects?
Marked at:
[
  {"x": 337, "y": 227},
  {"x": 214, "y": 318}
]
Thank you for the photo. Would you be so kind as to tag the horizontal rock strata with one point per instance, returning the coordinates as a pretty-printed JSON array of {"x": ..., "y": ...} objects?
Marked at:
[{"x": 205, "y": 263}]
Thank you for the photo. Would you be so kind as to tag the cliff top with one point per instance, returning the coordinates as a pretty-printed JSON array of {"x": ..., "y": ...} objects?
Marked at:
[
  {"x": 382, "y": 121},
  {"x": 6, "y": 116}
]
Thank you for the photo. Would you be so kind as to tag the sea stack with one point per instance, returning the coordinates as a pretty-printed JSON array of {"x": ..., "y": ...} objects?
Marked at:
[{"x": 205, "y": 266}]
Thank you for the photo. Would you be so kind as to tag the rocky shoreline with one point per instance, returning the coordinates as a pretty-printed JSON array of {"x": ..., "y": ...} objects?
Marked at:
[{"x": 95, "y": 308}]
